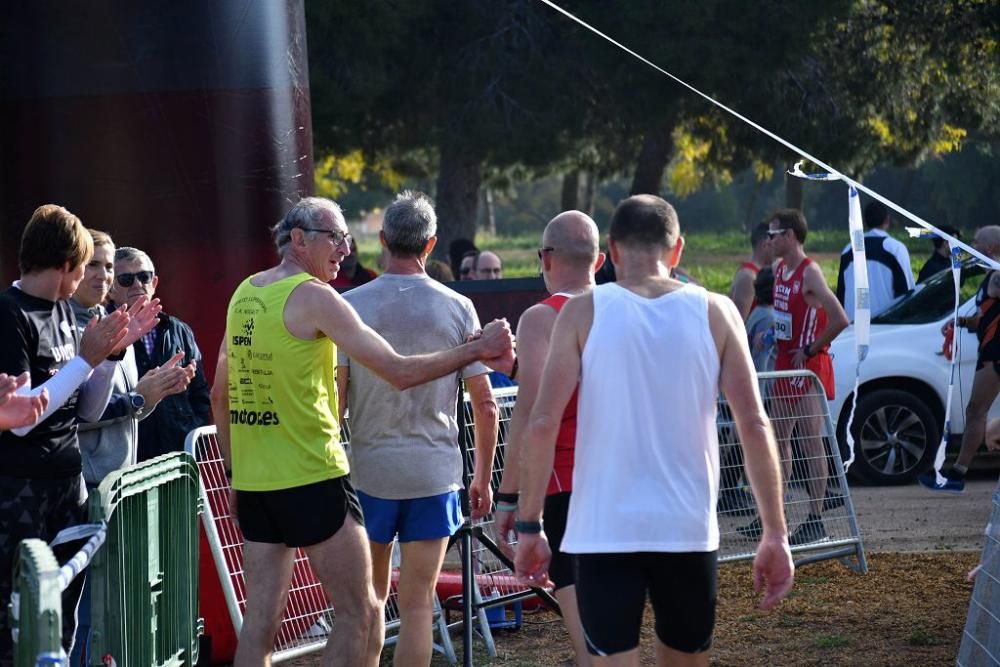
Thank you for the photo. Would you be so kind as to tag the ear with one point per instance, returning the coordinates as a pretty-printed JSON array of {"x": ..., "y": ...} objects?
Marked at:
[
  {"x": 431, "y": 242},
  {"x": 599, "y": 262},
  {"x": 614, "y": 252},
  {"x": 674, "y": 254},
  {"x": 381, "y": 239},
  {"x": 156, "y": 281}
]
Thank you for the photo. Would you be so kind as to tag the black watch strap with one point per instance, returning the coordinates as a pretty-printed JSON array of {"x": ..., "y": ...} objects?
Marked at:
[{"x": 528, "y": 527}]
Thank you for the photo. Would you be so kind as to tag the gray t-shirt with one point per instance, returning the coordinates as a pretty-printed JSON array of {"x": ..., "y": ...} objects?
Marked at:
[
  {"x": 761, "y": 319},
  {"x": 404, "y": 444}
]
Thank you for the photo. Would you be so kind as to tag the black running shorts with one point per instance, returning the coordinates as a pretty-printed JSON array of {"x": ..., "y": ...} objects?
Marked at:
[
  {"x": 556, "y": 512},
  {"x": 298, "y": 517},
  {"x": 611, "y": 594}
]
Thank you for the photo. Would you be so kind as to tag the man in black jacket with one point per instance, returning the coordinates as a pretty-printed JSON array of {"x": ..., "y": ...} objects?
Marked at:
[{"x": 164, "y": 430}]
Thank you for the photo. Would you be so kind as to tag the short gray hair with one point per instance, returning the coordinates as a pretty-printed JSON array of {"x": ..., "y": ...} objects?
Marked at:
[
  {"x": 129, "y": 254},
  {"x": 409, "y": 223},
  {"x": 308, "y": 212}
]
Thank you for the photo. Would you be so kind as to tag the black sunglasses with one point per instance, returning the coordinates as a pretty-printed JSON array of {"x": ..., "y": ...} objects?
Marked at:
[
  {"x": 541, "y": 251},
  {"x": 771, "y": 233},
  {"x": 126, "y": 279},
  {"x": 336, "y": 237}
]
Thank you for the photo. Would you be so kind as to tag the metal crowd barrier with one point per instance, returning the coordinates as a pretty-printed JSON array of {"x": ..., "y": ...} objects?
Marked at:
[
  {"x": 308, "y": 619},
  {"x": 144, "y": 573},
  {"x": 309, "y": 616},
  {"x": 981, "y": 638}
]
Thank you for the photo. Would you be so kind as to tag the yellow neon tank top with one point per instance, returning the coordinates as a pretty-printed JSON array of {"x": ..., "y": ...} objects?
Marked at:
[{"x": 282, "y": 395}]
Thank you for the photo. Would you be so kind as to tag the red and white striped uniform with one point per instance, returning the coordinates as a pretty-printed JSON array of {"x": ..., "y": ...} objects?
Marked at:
[{"x": 798, "y": 324}]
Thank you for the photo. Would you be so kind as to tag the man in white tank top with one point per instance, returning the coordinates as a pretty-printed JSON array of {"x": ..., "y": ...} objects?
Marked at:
[{"x": 652, "y": 355}]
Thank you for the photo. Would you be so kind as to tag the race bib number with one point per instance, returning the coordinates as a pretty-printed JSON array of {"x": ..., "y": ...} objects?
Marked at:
[{"x": 782, "y": 325}]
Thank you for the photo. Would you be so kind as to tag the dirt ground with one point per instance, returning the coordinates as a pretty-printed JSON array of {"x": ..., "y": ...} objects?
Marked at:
[{"x": 909, "y": 609}]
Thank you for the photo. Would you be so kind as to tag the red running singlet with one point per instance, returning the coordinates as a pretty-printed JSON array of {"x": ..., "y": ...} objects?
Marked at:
[
  {"x": 797, "y": 324},
  {"x": 561, "y": 480}
]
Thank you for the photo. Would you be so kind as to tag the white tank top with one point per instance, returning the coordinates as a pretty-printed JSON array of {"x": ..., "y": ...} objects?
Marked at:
[{"x": 646, "y": 476}]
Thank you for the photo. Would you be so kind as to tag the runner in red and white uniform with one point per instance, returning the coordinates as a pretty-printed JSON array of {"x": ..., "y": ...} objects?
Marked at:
[
  {"x": 569, "y": 258},
  {"x": 741, "y": 291},
  {"x": 807, "y": 317}
]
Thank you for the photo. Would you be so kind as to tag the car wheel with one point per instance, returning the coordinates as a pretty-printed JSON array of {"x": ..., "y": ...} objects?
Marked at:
[{"x": 895, "y": 437}]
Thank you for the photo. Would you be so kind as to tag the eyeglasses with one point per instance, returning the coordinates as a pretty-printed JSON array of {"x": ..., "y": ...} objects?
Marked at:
[
  {"x": 541, "y": 251},
  {"x": 335, "y": 237},
  {"x": 126, "y": 279},
  {"x": 771, "y": 233}
]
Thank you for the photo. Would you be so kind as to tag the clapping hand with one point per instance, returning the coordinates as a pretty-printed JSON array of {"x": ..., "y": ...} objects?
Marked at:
[{"x": 18, "y": 410}]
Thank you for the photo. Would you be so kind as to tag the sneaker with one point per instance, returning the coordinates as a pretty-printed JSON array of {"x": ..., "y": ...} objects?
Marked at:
[
  {"x": 950, "y": 485},
  {"x": 809, "y": 531},
  {"x": 753, "y": 530}
]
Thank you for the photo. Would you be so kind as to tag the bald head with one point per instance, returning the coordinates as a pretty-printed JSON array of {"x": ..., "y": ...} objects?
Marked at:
[
  {"x": 574, "y": 237},
  {"x": 987, "y": 240}
]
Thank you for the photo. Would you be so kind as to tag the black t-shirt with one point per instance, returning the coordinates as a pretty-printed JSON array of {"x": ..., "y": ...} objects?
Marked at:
[{"x": 39, "y": 336}]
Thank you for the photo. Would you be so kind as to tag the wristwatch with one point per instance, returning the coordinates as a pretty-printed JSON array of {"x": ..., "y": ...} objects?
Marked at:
[{"x": 138, "y": 403}]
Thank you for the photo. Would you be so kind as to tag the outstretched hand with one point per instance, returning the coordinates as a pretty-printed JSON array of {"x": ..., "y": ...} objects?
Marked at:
[
  {"x": 103, "y": 336},
  {"x": 142, "y": 318},
  {"x": 773, "y": 571},
  {"x": 17, "y": 411}
]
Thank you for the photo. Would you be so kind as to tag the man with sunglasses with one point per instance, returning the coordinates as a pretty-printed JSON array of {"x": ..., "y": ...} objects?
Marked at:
[
  {"x": 569, "y": 258},
  {"x": 807, "y": 317},
  {"x": 275, "y": 406},
  {"x": 180, "y": 413}
]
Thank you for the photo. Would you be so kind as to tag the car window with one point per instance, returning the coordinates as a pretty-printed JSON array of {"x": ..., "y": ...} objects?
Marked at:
[{"x": 931, "y": 300}]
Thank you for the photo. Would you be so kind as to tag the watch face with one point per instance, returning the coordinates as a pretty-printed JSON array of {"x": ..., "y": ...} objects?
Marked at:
[{"x": 138, "y": 402}]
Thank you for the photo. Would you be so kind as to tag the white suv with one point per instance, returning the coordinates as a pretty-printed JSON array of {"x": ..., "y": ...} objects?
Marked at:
[{"x": 904, "y": 383}]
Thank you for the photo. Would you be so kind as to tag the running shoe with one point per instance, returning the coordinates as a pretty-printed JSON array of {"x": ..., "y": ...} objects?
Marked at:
[
  {"x": 809, "y": 531},
  {"x": 753, "y": 530},
  {"x": 950, "y": 485}
]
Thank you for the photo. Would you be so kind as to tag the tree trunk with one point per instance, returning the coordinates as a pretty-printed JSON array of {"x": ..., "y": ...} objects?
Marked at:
[
  {"x": 571, "y": 191},
  {"x": 588, "y": 193},
  {"x": 657, "y": 148},
  {"x": 489, "y": 212},
  {"x": 459, "y": 177},
  {"x": 793, "y": 191}
]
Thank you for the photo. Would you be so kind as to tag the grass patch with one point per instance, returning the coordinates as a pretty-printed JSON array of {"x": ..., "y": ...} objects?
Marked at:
[
  {"x": 921, "y": 637},
  {"x": 831, "y": 641}
]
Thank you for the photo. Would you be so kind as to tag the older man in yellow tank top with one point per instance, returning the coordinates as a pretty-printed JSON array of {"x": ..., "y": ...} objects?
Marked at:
[{"x": 275, "y": 405}]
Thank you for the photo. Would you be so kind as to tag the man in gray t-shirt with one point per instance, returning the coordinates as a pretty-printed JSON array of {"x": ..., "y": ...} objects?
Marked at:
[{"x": 405, "y": 459}]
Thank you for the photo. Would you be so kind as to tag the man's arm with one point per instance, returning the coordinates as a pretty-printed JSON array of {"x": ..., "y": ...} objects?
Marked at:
[
  {"x": 335, "y": 318},
  {"x": 742, "y": 292},
  {"x": 903, "y": 257},
  {"x": 562, "y": 368},
  {"x": 773, "y": 565},
  {"x": 815, "y": 288},
  {"x": 533, "y": 332},
  {"x": 198, "y": 391},
  {"x": 487, "y": 425},
  {"x": 220, "y": 406}
]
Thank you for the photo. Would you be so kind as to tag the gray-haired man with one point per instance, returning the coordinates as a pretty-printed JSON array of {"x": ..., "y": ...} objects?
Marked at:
[
  {"x": 177, "y": 415},
  {"x": 405, "y": 457}
]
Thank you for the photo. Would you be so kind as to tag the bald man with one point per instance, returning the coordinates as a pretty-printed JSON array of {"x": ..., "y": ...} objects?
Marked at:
[
  {"x": 488, "y": 266},
  {"x": 986, "y": 384},
  {"x": 569, "y": 258}
]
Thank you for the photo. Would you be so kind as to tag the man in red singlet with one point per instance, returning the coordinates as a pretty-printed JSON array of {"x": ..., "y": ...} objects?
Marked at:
[
  {"x": 569, "y": 258},
  {"x": 741, "y": 291},
  {"x": 807, "y": 317}
]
